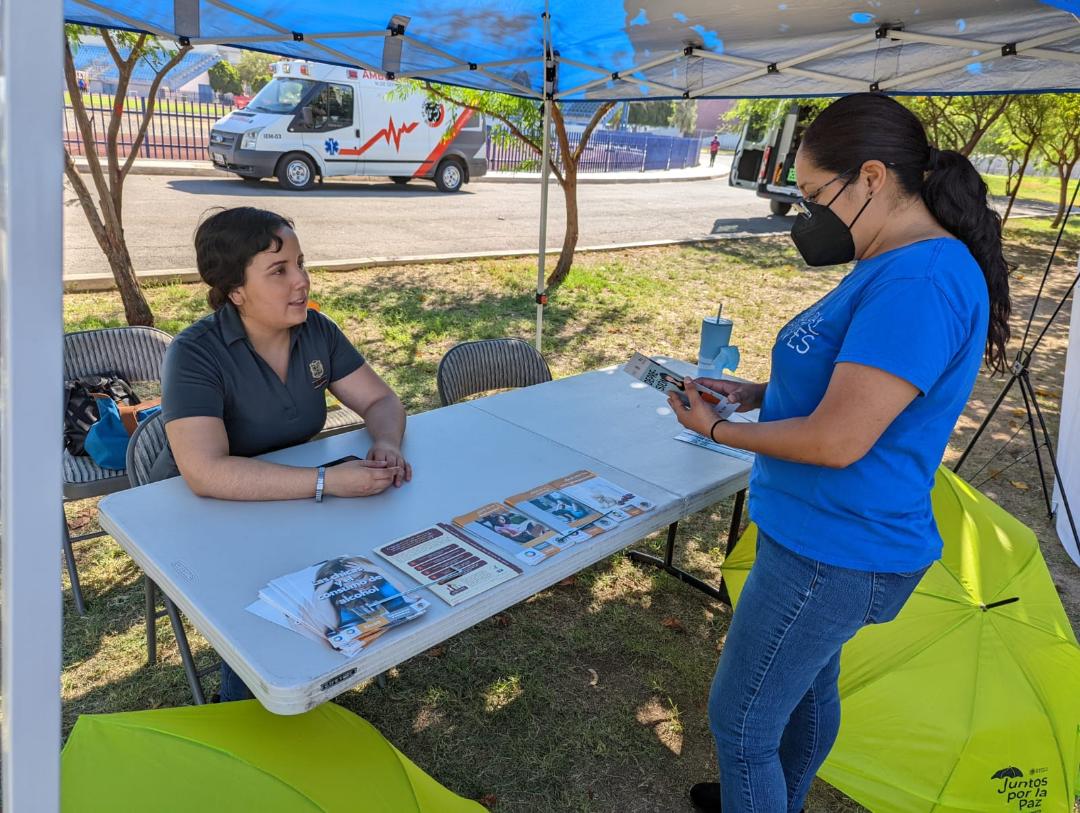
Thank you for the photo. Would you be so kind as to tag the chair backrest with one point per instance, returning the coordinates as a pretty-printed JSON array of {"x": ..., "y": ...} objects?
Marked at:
[
  {"x": 136, "y": 353},
  {"x": 489, "y": 364},
  {"x": 147, "y": 442}
]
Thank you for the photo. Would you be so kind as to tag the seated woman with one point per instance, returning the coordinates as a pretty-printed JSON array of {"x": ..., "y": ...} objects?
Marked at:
[{"x": 251, "y": 378}]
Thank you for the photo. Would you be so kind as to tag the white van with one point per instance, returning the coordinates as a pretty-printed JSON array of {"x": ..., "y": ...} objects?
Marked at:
[{"x": 313, "y": 120}]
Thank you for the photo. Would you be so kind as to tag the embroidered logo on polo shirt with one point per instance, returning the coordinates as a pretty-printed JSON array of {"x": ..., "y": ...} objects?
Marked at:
[{"x": 318, "y": 372}]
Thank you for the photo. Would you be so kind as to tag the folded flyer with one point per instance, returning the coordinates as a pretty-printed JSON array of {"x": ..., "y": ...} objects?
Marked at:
[
  {"x": 345, "y": 602},
  {"x": 690, "y": 436},
  {"x": 605, "y": 496},
  {"x": 656, "y": 375},
  {"x": 574, "y": 520},
  {"x": 449, "y": 563},
  {"x": 499, "y": 523}
]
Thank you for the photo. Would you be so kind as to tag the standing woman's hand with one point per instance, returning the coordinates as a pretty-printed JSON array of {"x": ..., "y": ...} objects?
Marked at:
[
  {"x": 699, "y": 416},
  {"x": 746, "y": 394}
]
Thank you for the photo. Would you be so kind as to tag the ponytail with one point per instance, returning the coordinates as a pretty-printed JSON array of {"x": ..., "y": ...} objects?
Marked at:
[
  {"x": 955, "y": 194},
  {"x": 873, "y": 127}
]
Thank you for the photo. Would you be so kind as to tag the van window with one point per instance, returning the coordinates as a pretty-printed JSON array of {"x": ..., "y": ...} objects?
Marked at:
[
  {"x": 331, "y": 108},
  {"x": 280, "y": 96}
]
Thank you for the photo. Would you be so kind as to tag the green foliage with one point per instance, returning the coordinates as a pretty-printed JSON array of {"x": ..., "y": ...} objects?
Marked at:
[
  {"x": 764, "y": 114},
  {"x": 957, "y": 122},
  {"x": 151, "y": 49},
  {"x": 224, "y": 78},
  {"x": 254, "y": 70},
  {"x": 651, "y": 114},
  {"x": 685, "y": 117}
]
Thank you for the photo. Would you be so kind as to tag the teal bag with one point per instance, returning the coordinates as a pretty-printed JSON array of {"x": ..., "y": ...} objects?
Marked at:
[{"x": 107, "y": 440}]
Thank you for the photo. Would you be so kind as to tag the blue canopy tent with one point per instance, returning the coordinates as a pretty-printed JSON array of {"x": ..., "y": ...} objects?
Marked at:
[
  {"x": 645, "y": 49},
  {"x": 549, "y": 50}
]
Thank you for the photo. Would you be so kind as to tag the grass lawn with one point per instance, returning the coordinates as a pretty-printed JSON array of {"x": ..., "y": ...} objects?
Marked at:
[
  {"x": 589, "y": 696},
  {"x": 1034, "y": 187}
]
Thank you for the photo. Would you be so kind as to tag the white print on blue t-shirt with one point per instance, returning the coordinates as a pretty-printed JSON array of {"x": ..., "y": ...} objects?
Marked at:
[{"x": 801, "y": 331}]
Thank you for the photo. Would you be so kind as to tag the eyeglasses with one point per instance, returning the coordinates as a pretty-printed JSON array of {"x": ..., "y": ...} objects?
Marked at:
[{"x": 800, "y": 206}]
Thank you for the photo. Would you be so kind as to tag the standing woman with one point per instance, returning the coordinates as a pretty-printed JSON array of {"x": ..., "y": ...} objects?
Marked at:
[{"x": 865, "y": 389}]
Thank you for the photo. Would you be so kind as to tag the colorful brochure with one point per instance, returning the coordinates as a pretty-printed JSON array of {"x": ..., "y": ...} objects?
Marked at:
[
  {"x": 449, "y": 563},
  {"x": 656, "y": 375},
  {"x": 345, "y": 602},
  {"x": 605, "y": 496},
  {"x": 496, "y": 522}
]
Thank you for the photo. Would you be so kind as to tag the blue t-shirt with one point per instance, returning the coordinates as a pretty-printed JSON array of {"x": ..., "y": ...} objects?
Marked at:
[{"x": 919, "y": 312}]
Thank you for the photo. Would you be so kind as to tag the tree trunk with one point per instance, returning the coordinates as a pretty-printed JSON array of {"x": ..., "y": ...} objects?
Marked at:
[
  {"x": 569, "y": 245},
  {"x": 1019, "y": 180},
  {"x": 136, "y": 308},
  {"x": 1064, "y": 175}
]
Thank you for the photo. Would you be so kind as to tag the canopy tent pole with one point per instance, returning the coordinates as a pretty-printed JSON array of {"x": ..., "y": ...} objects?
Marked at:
[
  {"x": 545, "y": 176},
  {"x": 31, "y": 373}
]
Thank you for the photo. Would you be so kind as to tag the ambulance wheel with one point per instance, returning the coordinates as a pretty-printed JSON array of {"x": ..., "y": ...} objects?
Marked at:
[
  {"x": 296, "y": 172},
  {"x": 400, "y": 180},
  {"x": 779, "y": 208},
  {"x": 449, "y": 176}
]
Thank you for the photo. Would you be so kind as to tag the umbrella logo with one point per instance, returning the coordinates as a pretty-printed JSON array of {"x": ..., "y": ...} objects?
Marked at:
[{"x": 1008, "y": 773}]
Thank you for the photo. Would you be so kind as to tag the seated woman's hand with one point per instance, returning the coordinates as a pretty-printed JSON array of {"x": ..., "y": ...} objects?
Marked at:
[
  {"x": 388, "y": 453},
  {"x": 360, "y": 478},
  {"x": 745, "y": 393}
]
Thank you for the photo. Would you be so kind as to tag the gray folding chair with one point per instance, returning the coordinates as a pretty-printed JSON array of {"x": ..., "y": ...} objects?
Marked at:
[
  {"x": 481, "y": 366},
  {"x": 148, "y": 441},
  {"x": 136, "y": 353}
]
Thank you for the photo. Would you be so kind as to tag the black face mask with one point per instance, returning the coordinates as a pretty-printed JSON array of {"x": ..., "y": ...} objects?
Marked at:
[{"x": 821, "y": 236}]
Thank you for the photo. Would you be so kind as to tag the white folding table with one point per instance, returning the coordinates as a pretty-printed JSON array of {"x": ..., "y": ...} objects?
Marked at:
[{"x": 211, "y": 557}]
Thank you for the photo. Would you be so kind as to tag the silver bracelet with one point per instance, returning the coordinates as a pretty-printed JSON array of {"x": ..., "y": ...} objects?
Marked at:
[{"x": 320, "y": 482}]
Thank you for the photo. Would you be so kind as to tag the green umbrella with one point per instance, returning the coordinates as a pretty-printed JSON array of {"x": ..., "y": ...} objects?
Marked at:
[
  {"x": 970, "y": 699},
  {"x": 239, "y": 757}
]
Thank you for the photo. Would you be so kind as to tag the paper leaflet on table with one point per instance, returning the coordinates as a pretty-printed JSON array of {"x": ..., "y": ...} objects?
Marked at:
[
  {"x": 605, "y": 496},
  {"x": 574, "y": 520},
  {"x": 505, "y": 526},
  {"x": 346, "y": 602},
  {"x": 659, "y": 377},
  {"x": 690, "y": 436},
  {"x": 448, "y": 563}
]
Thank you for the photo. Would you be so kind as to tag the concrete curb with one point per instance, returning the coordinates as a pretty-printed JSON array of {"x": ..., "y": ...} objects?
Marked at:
[
  {"x": 204, "y": 169},
  {"x": 103, "y": 282}
]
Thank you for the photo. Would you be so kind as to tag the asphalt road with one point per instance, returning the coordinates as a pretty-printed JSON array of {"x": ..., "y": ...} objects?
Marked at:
[{"x": 343, "y": 220}]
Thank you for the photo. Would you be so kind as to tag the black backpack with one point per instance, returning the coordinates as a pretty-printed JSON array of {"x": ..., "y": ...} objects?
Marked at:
[{"x": 80, "y": 405}]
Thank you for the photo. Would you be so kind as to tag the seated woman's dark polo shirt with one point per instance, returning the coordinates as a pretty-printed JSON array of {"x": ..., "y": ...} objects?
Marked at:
[{"x": 211, "y": 370}]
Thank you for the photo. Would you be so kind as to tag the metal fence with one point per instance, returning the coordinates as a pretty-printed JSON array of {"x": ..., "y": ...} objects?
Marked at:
[
  {"x": 605, "y": 152},
  {"x": 179, "y": 128}
]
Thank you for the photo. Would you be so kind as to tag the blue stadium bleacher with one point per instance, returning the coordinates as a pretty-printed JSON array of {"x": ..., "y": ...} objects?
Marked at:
[{"x": 96, "y": 60}]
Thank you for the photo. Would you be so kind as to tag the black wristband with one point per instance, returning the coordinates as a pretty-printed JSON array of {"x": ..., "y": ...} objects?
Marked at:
[{"x": 713, "y": 429}]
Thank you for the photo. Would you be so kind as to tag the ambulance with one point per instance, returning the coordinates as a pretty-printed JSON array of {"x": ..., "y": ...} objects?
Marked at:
[{"x": 315, "y": 121}]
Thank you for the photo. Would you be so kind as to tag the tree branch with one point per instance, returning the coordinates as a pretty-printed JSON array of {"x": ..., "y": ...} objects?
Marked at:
[
  {"x": 87, "y": 202},
  {"x": 151, "y": 103},
  {"x": 597, "y": 117},
  {"x": 86, "y": 130}
]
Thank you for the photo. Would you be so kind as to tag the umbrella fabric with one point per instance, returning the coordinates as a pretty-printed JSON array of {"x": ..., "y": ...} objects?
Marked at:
[
  {"x": 240, "y": 757},
  {"x": 970, "y": 699}
]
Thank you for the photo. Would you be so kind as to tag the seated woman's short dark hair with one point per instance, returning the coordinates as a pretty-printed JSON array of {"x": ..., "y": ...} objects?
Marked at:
[{"x": 226, "y": 242}]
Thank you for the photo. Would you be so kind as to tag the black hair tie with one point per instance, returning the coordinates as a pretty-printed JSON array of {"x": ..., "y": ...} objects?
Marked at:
[{"x": 932, "y": 159}]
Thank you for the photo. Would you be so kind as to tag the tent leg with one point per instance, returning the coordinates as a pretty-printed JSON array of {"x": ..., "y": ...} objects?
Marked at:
[
  {"x": 545, "y": 176},
  {"x": 1026, "y": 382}
]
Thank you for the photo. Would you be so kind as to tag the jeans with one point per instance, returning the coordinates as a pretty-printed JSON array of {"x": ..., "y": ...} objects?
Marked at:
[
  {"x": 232, "y": 687},
  {"x": 774, "y": 707}
]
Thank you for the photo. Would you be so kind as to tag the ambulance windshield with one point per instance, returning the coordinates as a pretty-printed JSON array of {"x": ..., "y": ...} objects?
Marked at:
[{"x": 281, "y": 95}]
